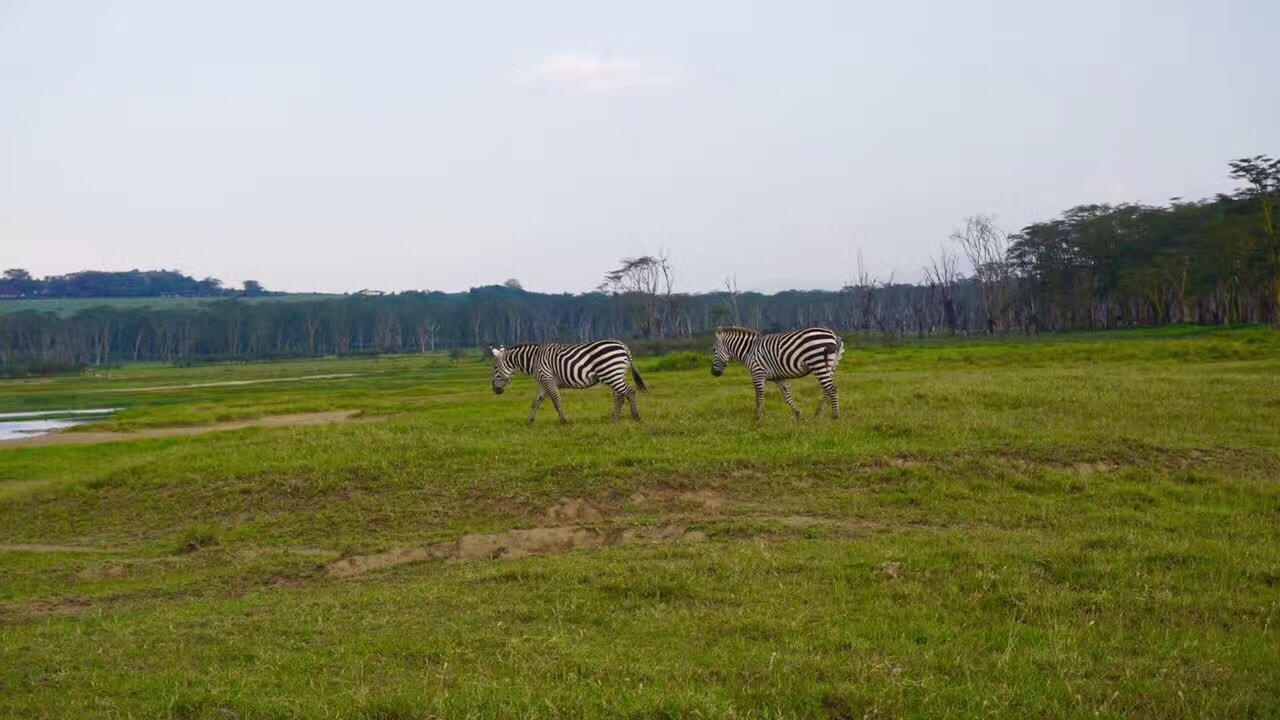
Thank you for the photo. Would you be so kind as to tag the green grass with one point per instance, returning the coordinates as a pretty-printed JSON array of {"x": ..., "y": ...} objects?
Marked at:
[
  {"x": 70, "y": 306},
  {"x": 1082, "y": 525}
]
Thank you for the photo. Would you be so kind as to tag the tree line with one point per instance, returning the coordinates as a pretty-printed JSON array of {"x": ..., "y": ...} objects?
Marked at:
[
  {"x": 1211, "y": 261},
  {"x": 19, "y": 283}
]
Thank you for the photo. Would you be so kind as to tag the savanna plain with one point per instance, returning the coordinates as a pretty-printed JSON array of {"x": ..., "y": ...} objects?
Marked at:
[{"x": 1082, "y": 525}]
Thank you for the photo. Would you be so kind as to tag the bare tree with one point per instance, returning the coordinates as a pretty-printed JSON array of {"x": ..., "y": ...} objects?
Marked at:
[
  {"x": 731, "y": 296},
  {"x": 386, "y": 332},
  {"x": 427, "y": 331},
  {"x": 943, "y": 275},
  {"x": 887, "y": 318},
  {"x": 986, "y": 246},
  {"x": 649, "y": 281},
  {"x": 861, "y": 297}
]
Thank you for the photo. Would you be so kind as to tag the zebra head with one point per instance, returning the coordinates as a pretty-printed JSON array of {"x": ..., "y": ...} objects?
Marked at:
[
  {"x": 732, "y": 343},
  {"x": 502, "y": 369},
  {"x": 719, "y": 354}
]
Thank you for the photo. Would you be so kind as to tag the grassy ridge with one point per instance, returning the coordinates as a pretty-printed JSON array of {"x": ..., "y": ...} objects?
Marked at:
[{"x": 1054, "y": 527}]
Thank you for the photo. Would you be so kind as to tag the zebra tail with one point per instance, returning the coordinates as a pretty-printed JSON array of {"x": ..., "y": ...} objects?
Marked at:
[{"x": 635, "y": 375}]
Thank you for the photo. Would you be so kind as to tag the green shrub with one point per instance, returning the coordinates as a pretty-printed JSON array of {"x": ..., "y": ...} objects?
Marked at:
[{"x": 682, "y": 361}]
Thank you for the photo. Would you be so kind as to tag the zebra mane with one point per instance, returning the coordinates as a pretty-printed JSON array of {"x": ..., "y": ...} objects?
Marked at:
[{"x": 737, "y": 329}]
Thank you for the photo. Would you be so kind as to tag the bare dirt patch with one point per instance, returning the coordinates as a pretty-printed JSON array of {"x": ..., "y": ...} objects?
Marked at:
[
  {"x": 30, "y": 609},
  {"x": 665, "y": 534},
  {"x": 512, "y": 544},
  {"x": 569, "y": 511},
  {"x": 1086, "y": 468},
  {"x": 360, "y": 564},
  {"x": 270, "y": 421},
  {"x": 708, "y": 500}
]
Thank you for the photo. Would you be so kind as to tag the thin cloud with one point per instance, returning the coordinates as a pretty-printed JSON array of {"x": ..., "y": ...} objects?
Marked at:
[{"x": 588, "y": 73}]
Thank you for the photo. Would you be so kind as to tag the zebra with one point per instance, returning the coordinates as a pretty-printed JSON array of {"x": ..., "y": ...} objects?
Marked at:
[
  {"x": 781, "y": 357},
  {"x": 569, "y": 366}
]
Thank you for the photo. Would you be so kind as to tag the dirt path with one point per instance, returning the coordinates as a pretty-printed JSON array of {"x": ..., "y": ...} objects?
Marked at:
[
  {"x": 228, "y": 383},
  {"x": 90, "y": 438}
]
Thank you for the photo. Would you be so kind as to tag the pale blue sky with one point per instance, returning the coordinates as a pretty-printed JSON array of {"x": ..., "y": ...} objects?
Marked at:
[{"x": 411, "y": 145}]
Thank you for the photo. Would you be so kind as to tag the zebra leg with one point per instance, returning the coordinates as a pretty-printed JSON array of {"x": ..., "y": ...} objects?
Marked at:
[
  {"x": 621, "y": 392},
  {"x": 829, "y": 390},
  {"x": 822, "y": 404},
  {"x": 785, "y": 387},
  {"x": 554, "y": 392},
  {"x": 759, "y": 383},
  {"x": 617, "y": 405},
  {"x": 631, "y": 399},
  {"x": 537, "y": 401}
]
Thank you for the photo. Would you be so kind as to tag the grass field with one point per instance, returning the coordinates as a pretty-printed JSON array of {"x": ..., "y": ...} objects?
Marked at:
[
  {"x": 1083, "y": 526},
  {"x": 70, "y": 306}
]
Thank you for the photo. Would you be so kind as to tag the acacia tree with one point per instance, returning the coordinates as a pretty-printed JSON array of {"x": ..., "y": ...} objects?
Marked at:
[{"x": 649, "y": 281}]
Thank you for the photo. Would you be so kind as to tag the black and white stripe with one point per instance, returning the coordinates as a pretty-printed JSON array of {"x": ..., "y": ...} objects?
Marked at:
[
  {"x": 569, "y": 366},
  {"x": 780, "y": 357}
]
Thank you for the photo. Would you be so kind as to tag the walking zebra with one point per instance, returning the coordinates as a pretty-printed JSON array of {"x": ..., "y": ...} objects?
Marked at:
[
  {"x": 569, "y": 366},
  {"x": 781, "y": 357}
]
